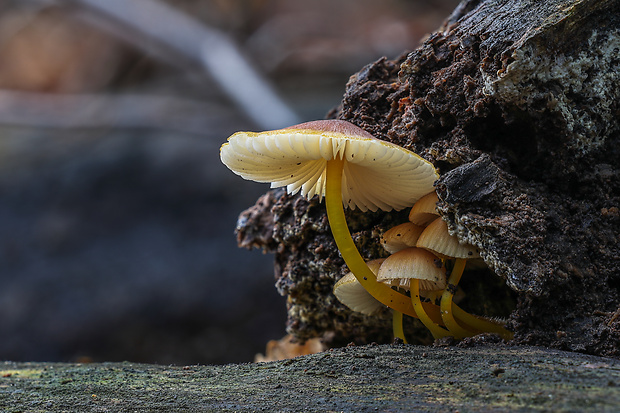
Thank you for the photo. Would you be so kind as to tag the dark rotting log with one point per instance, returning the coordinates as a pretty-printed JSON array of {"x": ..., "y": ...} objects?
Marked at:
[{"x": 516, "y": 104}]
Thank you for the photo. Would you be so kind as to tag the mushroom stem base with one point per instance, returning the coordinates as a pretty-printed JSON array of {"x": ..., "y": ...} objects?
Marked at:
[
  {"x": 397, "y": 325},
  {"x": 450, "y": 312}
]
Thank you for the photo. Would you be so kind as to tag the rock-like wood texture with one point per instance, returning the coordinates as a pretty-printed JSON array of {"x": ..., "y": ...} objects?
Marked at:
[
  {"x": 372, "y": 378},
  {"x": 516, "y": 103}
]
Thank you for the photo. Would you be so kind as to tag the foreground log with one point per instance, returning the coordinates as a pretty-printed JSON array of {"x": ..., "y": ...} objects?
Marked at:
[
  {"x": 384, "y": 378},
  {"x": 516, "y": 103}
]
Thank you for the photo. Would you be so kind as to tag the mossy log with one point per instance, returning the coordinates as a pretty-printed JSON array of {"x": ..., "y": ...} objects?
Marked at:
[
  {"x": 391, "y": 378},
  {"x": 516, "y": 104}
]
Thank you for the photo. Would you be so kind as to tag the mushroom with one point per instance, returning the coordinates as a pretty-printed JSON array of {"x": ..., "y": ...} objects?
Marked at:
[
  {"x": 351, "y": 293},
  {"x": 400, "y": 237},
  {"x": 436, "y": 239},
  {"x": 417, "y": 269},
  {"x": 345, "y": 164},
  {"x": 424, "y": 211}
]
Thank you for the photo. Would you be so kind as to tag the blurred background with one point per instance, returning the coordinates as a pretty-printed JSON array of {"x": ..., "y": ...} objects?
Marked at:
[{"x": 116, "y": 216}]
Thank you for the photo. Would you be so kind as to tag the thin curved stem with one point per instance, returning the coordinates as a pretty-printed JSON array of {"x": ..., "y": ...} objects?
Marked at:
[
  {"x": 446, "y": 301},
  {"x": 435, "y": 330},
  {"x": 397, "y": 325},
  {"x": 337, "y": 221},
  {"x": 474, "y": 323},
  {"x": 481, "y": 324}
]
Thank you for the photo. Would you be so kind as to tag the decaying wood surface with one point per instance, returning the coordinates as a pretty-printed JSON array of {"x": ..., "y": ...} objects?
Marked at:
[
  {"x": 516, "y": 103},
  {"x": 395, "y": 378}
]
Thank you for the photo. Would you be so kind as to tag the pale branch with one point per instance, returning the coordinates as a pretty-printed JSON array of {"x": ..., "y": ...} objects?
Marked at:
[{"x": 180, "y": 40}]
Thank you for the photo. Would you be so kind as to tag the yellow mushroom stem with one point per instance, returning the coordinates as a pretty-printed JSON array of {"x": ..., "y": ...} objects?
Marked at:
[
  {"x": 338, "y": 224},
  {"x": 450, "y": 311},
  {"x": 481, "y": 324},
  {"x": 397, "y": 325},
  {"x": 435, "y": 330},
  {"x": 446, "y": 301}
]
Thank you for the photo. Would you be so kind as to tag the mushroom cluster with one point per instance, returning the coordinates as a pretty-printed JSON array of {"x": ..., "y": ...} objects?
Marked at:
[
  {"x": 420, "y": 250},
  {"x": 347, "y": 166},
  {"x": 338, "y": 161}
]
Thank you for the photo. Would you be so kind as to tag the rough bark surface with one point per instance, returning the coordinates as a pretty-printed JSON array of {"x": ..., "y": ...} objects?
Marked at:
[
  {"x": 516, "y": 104},
  {"x": 387, "y": 378}
]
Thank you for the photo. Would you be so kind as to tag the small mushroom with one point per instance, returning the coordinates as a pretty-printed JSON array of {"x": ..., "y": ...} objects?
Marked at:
[
  {"x": 413, "y": 263},
  {"x": 424, "y": 211},
  {"x": 400, "y": 237},
  {"x": 436, "y": 239},
  {"x": 351, "y": 293},
  {"x": 417, "y": 269},
  {"x": 343, "y": 163}
]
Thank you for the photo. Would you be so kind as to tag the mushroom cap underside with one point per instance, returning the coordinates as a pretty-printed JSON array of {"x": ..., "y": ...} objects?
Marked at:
[
  {"x": 376, "y": 174},
  {"x": 414, "y": 263},
  {"x": 352, "y": 294}
]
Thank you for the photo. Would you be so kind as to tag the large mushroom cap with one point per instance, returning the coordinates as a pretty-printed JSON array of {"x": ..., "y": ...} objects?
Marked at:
[{"x": 377, "y": 174}]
